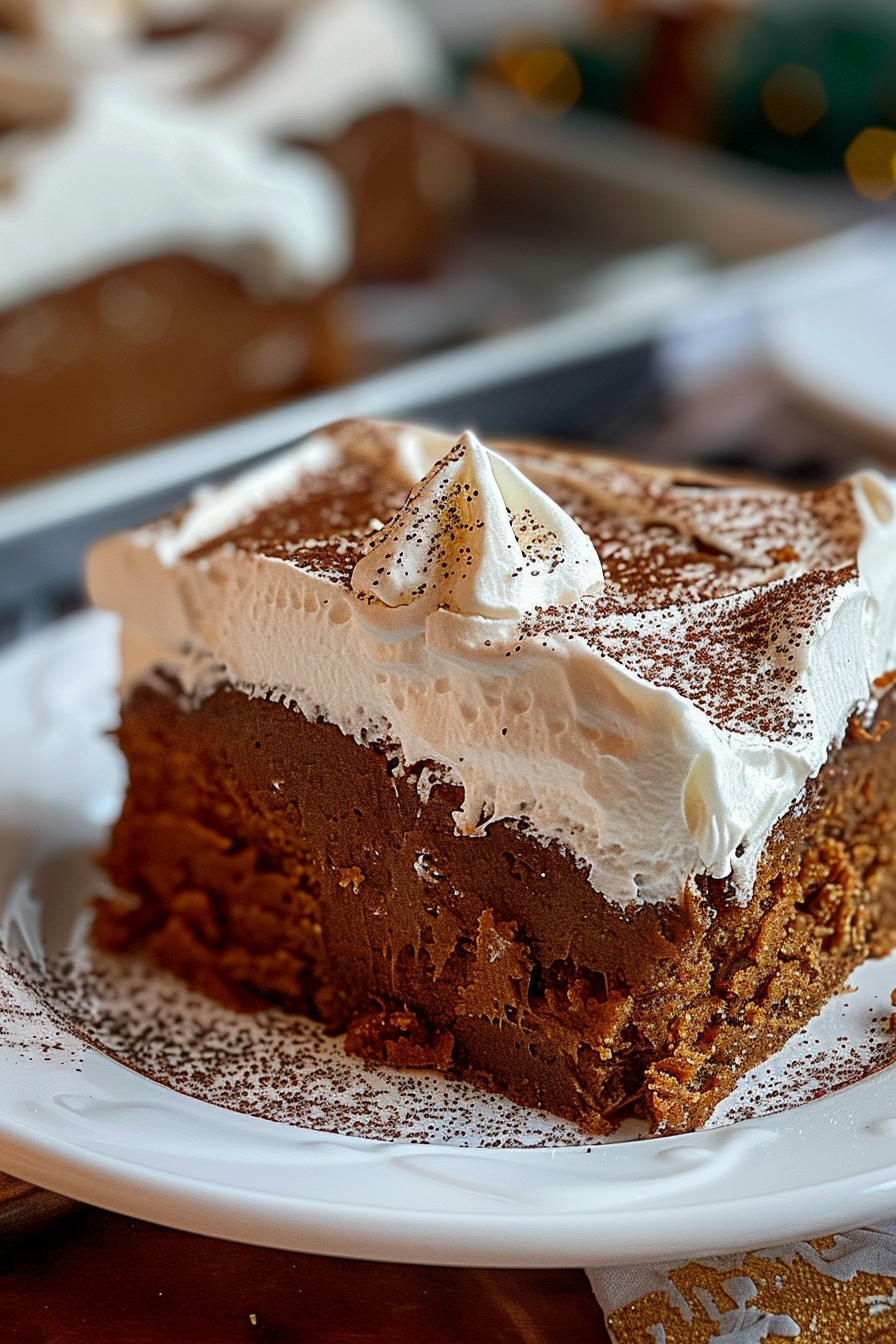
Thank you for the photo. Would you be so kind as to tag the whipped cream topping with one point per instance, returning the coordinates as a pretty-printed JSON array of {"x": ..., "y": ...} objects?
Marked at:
[
  {"x": 657, "y": 726},
  {"x": 80, "y": 41},
  {"x": 476, "y": 537},
  {"x": 80, "y": 27},
  {"x": 128, "y": 178},
  {"x": 336, "y": 61}
]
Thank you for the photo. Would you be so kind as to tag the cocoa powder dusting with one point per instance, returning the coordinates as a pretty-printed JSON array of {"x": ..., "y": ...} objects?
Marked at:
[{"x": 712, "y": 589}]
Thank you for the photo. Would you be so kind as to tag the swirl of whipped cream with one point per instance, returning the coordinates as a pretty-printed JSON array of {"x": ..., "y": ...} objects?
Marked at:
[{"x": 476, "y": 537}]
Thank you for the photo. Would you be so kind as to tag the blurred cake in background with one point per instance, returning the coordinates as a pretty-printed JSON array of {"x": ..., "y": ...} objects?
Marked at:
[
  {"x": 157, "y": 274},
  {"x": 133, "y": 313},
  {"x": 355, "y": 79}
]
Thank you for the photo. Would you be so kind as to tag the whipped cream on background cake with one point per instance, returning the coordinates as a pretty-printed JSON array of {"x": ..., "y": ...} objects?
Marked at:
[
  {"x": 336, "y": 61},
  {"x": 655, "y": 708},
  {"x": 332, "y": 62},
  {"x": 129, "y": 177}
]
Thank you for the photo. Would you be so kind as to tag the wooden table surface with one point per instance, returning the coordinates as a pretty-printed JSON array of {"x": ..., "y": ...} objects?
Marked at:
[{"x": 71, "y": 1274}]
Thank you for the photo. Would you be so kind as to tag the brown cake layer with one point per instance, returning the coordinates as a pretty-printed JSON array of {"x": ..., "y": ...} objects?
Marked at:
[
  {"x": 410, "y": 181},
  {"x": 270, "y": 859},
  {"x": 148, "y": 352}
]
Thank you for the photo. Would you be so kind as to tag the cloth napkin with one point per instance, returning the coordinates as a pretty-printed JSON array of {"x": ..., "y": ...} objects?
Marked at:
[{"x": 838, "y": 1289}]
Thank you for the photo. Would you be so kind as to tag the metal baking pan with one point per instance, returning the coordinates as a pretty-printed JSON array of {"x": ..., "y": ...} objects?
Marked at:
[
  {"x": 556, "y": 202},
  {"x": 595, "y": 181}
]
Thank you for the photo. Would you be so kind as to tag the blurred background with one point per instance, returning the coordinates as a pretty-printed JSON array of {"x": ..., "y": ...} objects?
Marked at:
[{"x": 664, "y": 225}]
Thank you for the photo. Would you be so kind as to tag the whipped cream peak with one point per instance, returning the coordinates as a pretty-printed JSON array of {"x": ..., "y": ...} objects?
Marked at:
[{"x": 478, "y": 538}]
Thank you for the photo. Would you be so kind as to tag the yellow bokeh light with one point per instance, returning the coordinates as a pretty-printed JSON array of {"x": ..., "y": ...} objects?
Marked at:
[
  {"x": 794, "y": 99},
  {"x": 871, "y": 163},
  {"x": 546, "y": 77}
]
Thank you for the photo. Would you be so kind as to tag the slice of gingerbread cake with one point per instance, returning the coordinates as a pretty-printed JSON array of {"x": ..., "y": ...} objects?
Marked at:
[{"x": 566, "y": 776}]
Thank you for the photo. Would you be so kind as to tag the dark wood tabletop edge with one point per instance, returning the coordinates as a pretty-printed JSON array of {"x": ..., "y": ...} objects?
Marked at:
[{"x": 25, "y": 1209}]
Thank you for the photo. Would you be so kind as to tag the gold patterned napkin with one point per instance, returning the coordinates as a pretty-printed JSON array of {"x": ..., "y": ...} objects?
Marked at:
[{"x": 833, "y": 1290}]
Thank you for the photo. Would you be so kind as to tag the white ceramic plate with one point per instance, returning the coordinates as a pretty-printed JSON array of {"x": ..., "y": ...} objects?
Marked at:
[{"x": 77, "y": 1120}]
